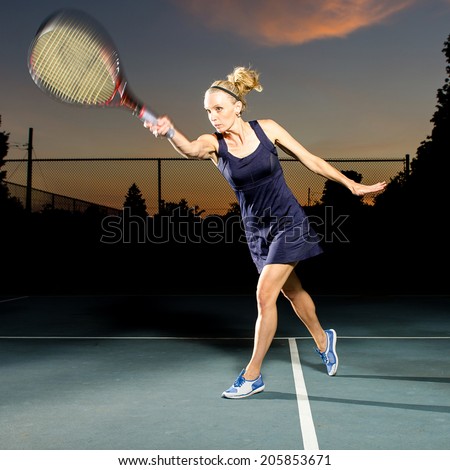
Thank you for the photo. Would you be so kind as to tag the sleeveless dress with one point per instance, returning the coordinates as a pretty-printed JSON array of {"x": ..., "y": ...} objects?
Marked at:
[{"x": 275, "y": 224}]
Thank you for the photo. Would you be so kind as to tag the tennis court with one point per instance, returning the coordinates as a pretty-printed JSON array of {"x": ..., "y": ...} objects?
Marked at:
[{"x": 147, "y": 372}]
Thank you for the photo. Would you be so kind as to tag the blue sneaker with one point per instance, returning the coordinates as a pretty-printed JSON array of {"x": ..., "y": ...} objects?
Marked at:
[
  {"x": 329, "y": 356},
  {"x": 244, "y": 388}
]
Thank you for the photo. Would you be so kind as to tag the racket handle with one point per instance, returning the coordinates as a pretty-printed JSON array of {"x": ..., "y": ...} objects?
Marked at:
[{"x": 146, "y": 115}]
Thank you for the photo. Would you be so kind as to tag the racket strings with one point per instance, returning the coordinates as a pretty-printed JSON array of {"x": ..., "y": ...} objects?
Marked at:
[
  {"x": 73, "y": 63},
  {"x": 59, "y": 68},
  {"x": 92, "y": 87}
]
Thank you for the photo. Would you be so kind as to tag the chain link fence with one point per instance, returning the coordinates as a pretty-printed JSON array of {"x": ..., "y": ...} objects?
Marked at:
[{"x": 75, "y": 184}]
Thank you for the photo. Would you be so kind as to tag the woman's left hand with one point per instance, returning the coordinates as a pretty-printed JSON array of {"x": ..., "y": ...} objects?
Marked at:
[{"x": 361, "y": 189}]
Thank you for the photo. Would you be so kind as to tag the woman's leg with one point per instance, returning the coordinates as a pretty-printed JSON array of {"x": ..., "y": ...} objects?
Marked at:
[
  {"x": 305, "y": 309},
  {"x": 272, "y": 278},
  {"x": 275, "y": 278}
]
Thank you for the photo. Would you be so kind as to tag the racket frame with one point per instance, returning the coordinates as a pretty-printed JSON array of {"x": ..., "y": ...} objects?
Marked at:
[{"x": 121, "y": 97}]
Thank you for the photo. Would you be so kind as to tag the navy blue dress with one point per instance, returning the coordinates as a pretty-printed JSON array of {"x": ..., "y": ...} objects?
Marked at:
[{"x": 276, "y": 226}]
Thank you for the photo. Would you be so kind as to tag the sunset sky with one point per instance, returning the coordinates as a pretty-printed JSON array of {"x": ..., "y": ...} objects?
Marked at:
[{"x": 348, "y": 78}]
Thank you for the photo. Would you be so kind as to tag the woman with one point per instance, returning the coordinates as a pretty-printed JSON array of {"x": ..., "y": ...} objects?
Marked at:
[{"x": 276, "y": 226}]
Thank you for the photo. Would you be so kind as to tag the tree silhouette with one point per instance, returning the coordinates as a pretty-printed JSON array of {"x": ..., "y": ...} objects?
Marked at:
[
  {"x": 134, "y": 202},
  {"x": 4, "y": 147},
  {"x": 426, "y": 187},
  {"x": 8, "y": 205},
  {"x": 336, "y": 195},
  {"x": 413, "y": 207},
  {"x": 429, "y": 170},
  {"x": 234, "y": 209},
  {"x": 180, "y": 209}
]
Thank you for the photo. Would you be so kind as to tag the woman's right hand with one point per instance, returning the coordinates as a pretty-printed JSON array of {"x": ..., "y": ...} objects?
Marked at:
[{"x": 162, "y": 127}]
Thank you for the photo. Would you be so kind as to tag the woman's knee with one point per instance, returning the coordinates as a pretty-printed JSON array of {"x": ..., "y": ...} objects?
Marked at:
[
  {"x": 266, "y": 299},
  {"x": 271, "y": 280}
]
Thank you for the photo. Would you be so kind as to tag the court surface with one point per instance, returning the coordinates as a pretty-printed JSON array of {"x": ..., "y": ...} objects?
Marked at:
[{"x": 147, "y": 372}]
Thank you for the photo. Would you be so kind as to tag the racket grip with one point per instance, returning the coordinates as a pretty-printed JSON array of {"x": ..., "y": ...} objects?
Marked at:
[{"x": 146, "y": 115}]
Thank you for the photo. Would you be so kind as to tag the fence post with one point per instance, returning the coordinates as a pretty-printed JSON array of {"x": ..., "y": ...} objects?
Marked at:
[
  {"x": 159, "y": 187},
  {"x": 29, "y": 170},
  {"x": 407, "y": 163}
]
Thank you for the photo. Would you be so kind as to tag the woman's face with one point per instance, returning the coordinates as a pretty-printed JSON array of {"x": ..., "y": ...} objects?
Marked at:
[{"x": 222, "y": 110}]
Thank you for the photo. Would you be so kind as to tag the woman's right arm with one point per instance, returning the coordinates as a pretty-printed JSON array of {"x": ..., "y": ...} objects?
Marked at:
[{"x": 204, "y": 147}]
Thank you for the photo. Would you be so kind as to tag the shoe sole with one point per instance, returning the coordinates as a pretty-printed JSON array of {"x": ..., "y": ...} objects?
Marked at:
[
  {"x": 335, "y": 366},
  {"x": 235, "y": 397}
]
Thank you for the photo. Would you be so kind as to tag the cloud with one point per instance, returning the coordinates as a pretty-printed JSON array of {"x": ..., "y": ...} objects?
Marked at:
[{"x": 292, "y": 22}]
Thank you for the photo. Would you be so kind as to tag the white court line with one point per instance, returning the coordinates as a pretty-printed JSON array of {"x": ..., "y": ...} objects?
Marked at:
[
  {"x": 308, "y": 430},
  {"x": 374, "y": 337},
  {"x": 211, "y": 338},
  {"x": 15, "y": 298},
  {"x": 127, "y": 338}
]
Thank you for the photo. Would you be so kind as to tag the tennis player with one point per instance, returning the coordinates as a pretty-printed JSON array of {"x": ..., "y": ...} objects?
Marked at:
[{"x": 278, "y": 233}]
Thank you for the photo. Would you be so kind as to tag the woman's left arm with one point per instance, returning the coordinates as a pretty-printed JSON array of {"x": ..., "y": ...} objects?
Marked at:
[{"x": 282, "y": 139}]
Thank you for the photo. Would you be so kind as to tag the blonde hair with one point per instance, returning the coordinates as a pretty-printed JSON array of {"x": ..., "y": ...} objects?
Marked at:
[{"x": 238, "y": 84}]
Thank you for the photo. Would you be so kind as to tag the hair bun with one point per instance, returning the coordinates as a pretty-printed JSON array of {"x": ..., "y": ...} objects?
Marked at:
[{"x": 245, "y": 80}]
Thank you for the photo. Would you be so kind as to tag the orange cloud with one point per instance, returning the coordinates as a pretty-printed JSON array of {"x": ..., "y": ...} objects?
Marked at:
[{"x": 291, "y": 22}]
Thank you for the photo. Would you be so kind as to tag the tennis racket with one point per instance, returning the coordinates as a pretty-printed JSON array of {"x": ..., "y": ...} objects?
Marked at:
[{"x": 73, "y": 59}]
